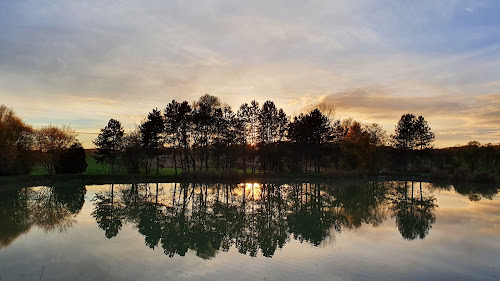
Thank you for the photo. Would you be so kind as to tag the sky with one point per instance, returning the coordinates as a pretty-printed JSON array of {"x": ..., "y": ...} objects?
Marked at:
[{"x": 84, "y": 62}]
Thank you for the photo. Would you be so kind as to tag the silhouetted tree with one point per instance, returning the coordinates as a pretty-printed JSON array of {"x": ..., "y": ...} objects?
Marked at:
[
  {"x": 152, "y": 136},
  {"x": 356, "y": 149},
  {"x": 268, "y": 122},
  {"x": 309, "y": 132},
  {"x": 410, "y": 133},
  {"x": 424, "y": 136},
  {"x": 405, "y": 136},
  {"x": 253, "y": 123},
  {"x": 172, "y": 124},
  {"x": 132, "y": 156},
  {"x": 109, "y": 143},
  {"x": 186, "y": 124},
  {"x": 178, "y": 124},
  {"x": 16, "y": 143},
  {"x": 226, "y": 126},
  {"x": 72, "y": 160},
  {"x": 377, "y": 134},
  {"x": 272, "y": 127},
  {"x": 243, "y": 120},
  {"x": 204, "y": 122},
  {"x": 378, "y": 142}
]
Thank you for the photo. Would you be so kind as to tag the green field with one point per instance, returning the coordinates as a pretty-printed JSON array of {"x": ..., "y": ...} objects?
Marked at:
[{"x": 95, "y": 168}]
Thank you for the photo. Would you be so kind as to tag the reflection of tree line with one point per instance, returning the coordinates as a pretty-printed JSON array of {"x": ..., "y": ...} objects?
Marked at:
[
  {"x": 49, "y": 208},
  {"x": 209, "y": 218}
]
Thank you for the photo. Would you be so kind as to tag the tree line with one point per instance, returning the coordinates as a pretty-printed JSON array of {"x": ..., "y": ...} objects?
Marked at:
[
  {"x": 55, "y": 148},
  {"x": 208, "y": 135}
]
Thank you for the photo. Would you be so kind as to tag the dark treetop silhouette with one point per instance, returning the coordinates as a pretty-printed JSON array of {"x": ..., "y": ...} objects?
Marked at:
[{"x": 209, "y": 136}]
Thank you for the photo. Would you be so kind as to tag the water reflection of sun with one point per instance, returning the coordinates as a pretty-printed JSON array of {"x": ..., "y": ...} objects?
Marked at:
[{"x": 249, "y": 190}]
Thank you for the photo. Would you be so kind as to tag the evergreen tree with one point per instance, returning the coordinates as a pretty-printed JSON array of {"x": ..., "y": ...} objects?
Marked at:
[
  {"x": 424, "y": 136},
  {"x": 310, "y": 132},
  {"x": 71, "y": 160},
  {"x": 178, "y": 125},
  {"x": 412, "y": 132},
  {"x": 109, "y": 143},
  {"x": 152, "y": 136},
  {"x": 405, "y": 137},
  {"x": 268, "y": 122}
]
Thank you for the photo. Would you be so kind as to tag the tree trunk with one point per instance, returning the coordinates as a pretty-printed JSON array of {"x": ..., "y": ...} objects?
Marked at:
[
  {"x": 193, "y": 159},
  {"x": 206, "y": 157},
  {"x": 186, "y": 157},
  {"x": 244, "y": 163},
  {"x": 175, "y": 161},
  {"x": 157, "y": 163}
]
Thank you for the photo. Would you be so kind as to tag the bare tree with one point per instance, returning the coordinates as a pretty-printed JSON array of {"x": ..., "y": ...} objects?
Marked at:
[
  {"x": 16, "y": 141},
  {"x": 51, "y": 141}
]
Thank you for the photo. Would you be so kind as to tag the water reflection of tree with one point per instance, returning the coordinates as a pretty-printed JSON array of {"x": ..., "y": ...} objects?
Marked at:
[
  {"x": 50, "y": 208},
  {"x": 107, "y": 213},
  {"x": 313, "y": 214},
  {"x": 71, "y": 197},
  {"x": 206, "y": 218},
  {"x": 362, "y": 203},
  {"x": 246, "y": 239},
  {"x": 414, "y": 216},
  {"x": 474, "y": 192},
  {"x": 15, "y": 217},
  {"x": 271, "y": 225},
  {"x": 48, "y": 212}
]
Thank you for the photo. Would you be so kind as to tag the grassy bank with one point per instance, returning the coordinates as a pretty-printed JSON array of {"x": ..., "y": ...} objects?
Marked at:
[
  {"x": 206, "y": 177},
  {"x": 99, "y": 174},
  {"x": 16, "y": 182}
]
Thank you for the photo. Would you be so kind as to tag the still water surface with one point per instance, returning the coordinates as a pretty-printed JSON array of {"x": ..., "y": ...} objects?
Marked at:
[{"x": 251, "y": 231}]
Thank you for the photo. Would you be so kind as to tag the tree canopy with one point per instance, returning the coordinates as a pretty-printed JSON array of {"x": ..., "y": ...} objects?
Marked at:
[
  {"x": 16, "y": 141},
  {"x": 109, "y": 143},
  {"x": 412, "y": 132}
]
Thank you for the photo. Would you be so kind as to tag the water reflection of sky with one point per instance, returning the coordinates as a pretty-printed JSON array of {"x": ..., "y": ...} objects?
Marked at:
[{"x": 462, "y": 244}]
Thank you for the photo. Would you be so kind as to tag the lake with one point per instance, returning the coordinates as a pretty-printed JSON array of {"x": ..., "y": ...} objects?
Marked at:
[{"x": 370, "y": 230}]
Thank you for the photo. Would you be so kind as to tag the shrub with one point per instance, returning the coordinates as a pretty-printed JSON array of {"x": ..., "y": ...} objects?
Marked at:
[{"x": 71, "y": 160}]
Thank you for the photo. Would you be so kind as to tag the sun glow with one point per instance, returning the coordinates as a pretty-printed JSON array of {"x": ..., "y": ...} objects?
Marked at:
[{"x": 248, "y": 190}]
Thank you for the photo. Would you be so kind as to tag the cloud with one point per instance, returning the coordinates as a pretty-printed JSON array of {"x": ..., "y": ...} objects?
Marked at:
[
  {"x": 93, "y": 99},
  {"x": 451, "y": 117},
  {"x": 379, "y": 103},
  {"x": 119, "y": 58}
]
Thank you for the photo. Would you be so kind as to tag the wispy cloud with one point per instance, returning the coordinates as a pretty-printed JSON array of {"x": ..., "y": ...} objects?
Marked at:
[
  {"x": 92, "y": 99},
  {"x": 452, "y": 117},
  {"x": 84, "y": 62}
]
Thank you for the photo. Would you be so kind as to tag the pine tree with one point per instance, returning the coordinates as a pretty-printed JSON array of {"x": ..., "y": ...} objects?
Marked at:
[
  {"x": 152, "y": 135},
  {"x": 109, "y": 143}
]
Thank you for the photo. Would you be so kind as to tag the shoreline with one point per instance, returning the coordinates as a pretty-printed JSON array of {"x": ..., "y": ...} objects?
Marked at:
[{"x": 9, "y": 182}]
